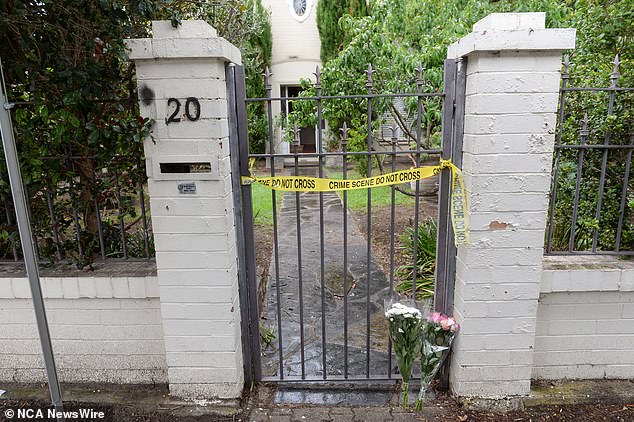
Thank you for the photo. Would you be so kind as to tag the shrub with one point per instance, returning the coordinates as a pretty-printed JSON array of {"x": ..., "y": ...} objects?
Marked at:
[{"x": 424, "y": 257}]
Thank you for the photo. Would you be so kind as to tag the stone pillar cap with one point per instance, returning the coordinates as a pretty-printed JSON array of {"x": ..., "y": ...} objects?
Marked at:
[
  {"x": 513, "y": 32},
  {"x": 192, "y": 39}
]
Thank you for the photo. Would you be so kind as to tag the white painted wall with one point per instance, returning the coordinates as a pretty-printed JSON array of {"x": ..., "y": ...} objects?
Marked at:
[
  {"x": 295, "y": 53},
  {"x": 105, "y": 329},
  {"x": 196, "y": 256},
  {"x": 293, "y": 41},
  {"x": 513, "y": 65},
  {"x": 585, "y": 319}
]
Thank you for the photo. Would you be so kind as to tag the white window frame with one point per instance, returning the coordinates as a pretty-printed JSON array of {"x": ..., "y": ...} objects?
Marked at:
[{"x": 309, "y": 8}]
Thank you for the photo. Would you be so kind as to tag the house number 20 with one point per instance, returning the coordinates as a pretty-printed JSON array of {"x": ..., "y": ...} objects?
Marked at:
[{"x": 191, "y": 102}]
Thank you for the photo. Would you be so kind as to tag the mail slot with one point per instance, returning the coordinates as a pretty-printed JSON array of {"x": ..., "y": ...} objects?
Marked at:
[{"x": 185, "y": 168}]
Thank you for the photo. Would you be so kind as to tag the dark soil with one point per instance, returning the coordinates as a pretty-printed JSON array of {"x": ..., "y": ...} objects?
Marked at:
[
  {"x": 451, "y": 411},
  {"x": 263, "y": 248},
  {"x": 112, "y": 413}
]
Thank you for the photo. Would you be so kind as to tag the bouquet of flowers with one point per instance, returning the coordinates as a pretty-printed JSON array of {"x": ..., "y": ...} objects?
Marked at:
[
  {"x": 405, "y": 325},
  {"x": 439, "y": 331}
]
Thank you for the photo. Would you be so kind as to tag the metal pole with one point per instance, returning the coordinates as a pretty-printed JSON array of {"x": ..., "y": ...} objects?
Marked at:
[{"x": 24, "y": 227}]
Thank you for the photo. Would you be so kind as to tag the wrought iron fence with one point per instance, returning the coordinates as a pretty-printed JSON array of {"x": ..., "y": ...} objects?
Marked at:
[
  {"x": 591, "y": 195},
  {"x": 84, "y": 205},
  {"x": 88, "y": 216}
]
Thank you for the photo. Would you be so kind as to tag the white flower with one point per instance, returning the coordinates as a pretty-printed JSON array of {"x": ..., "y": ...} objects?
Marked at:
[
  {"x": 405, "y": 311},
  {"x": 400, "y": 330}
]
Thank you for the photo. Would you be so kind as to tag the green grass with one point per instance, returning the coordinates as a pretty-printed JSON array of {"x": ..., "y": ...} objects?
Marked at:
[
  {"x": 357, "y": 199},
  {"x": 263, "y": 204},
  {"x": 381, "y": 196}
]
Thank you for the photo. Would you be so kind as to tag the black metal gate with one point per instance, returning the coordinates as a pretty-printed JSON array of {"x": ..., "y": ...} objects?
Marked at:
[{"x": 322, "y": 299}]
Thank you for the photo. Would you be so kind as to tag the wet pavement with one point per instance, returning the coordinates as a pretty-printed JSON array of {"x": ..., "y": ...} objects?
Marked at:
[
  {"x": 330, "y": 305},
  {"x": 325, "y": 403}
]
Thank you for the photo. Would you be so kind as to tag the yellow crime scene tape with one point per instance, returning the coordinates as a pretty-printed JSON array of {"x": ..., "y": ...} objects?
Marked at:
[{"x": 316, "y": 184}]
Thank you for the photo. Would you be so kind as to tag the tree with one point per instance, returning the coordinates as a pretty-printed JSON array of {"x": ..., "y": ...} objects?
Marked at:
[
  {"x": 329, "y": 12},
  {"x": 80, "y": 137},
  {"x": 400, "y": 35},
  {"x": 256, "y": 56}
]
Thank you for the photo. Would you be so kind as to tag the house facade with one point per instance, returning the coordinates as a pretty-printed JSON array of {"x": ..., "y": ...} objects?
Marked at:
[{"x": 295, "y": 55}]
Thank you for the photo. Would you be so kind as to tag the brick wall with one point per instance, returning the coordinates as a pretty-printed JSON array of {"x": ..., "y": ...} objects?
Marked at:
[
  {"x": 105, "y": 329},
  {"x": 513, "y": 65},
  {"x": 196, "y": 254},
  {"x": 585, "y": 319}
]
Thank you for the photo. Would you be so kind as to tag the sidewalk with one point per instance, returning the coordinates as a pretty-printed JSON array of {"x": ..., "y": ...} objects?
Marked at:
[
  {"x": 573, "y": 401},
  {"x": 590, "y": 401},
  {"x": 357, "y": 404}
]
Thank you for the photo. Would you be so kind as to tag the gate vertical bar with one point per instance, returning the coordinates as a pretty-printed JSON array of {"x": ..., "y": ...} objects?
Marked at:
[
  {"x": 239, "y": 150},
  {"x": 322, "y": 245},
  {"x": 370, "y": 71},
  {"x": 276, "y": 259},
  {"x": 28, "y": 248},
  {"x": 456, "y": 158},
  {"x": 302, "y": 338},
  {"x": 453, "y": 128},
  {"x": 344, "y": 150},
  {"x": 393, "y": 141},
  {"x": 444, "y": 221}
]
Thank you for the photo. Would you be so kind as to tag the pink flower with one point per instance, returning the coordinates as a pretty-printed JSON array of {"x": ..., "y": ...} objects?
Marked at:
[
  {"x": 455, "y": 328},
  {"x": 446, "y": 323},
  {"x": 435, "y": 317}
]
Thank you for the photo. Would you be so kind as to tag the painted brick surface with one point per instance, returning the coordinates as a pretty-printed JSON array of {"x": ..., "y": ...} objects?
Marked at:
[
  {"x": 512, "y": 87},
  {"x": 522, "y": 62},
  {"x": 95, "y": 339},
  {"x": 194, "y": 234},
  {"x": 585, "y": 319}
]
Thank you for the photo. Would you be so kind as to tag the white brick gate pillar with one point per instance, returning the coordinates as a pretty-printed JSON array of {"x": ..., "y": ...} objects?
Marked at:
[
  {"x": 513, "y": 74},
  {"x": 181, "y": 84}
]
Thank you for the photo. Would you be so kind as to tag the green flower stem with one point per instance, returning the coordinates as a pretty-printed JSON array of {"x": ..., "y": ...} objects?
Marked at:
[{"x": 405, "y": 391}]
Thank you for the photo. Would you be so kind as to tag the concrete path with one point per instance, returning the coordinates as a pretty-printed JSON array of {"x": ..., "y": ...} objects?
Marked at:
[{"x": 359, "y": 286}]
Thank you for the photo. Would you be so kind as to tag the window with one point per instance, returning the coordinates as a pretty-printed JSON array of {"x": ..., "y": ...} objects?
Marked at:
[{"x": 300, "y": 9}]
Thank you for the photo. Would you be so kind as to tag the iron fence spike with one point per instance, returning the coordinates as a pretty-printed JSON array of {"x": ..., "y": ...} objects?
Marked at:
[
  {"x": 584, "y": 126},
  {"x": 295, "y": 135},
  {"x": 419, "y": 77},
  {"x": 615, "y": 72},
  {"x": 344, "y": 133},
  {"x": 394, "y": 129},
  {"x": 369, "y": 73},
  {"x": 317, "y": 74},
  {"x": 267, "y": 77}
]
